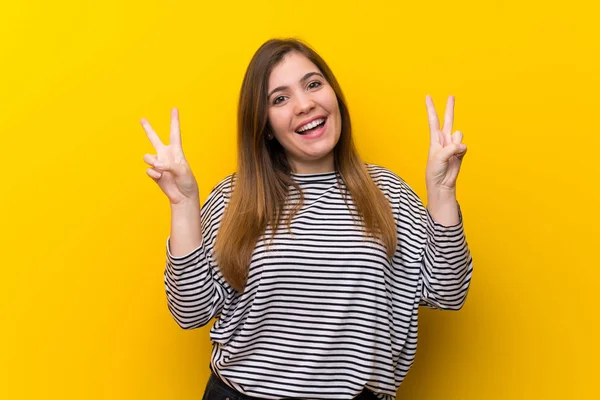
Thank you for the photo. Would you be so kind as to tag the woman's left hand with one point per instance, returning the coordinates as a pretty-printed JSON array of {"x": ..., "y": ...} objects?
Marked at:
[{"x": 446, "y": 150}]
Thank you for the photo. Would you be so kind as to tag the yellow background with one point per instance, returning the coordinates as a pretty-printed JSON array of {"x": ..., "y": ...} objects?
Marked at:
[{"x": 84, "y": 312}]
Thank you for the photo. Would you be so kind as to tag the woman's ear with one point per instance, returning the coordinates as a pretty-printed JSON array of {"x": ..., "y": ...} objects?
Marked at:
[{"x": 269, "y": 130}]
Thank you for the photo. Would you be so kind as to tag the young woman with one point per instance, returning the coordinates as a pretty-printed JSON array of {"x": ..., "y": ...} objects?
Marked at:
[{"x": 313, "y": 262}]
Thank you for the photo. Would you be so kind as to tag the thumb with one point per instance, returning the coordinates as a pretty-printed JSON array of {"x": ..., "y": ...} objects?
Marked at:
[
  {"x": 454, "y": 149},
  {"x": 166, "y": 166}
]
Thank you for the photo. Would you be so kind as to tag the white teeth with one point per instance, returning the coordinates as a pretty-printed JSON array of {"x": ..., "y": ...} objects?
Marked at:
[{"x": 311, "y": 124}]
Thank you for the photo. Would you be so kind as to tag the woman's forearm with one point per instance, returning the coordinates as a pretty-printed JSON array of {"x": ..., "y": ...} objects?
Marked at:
[
  {"x": 186, "y": 230},
  {"x": 443, "y": 207}
]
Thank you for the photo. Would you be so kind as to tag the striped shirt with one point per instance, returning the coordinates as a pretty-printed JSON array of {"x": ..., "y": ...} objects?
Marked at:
[{"x": 325, "y": 312}]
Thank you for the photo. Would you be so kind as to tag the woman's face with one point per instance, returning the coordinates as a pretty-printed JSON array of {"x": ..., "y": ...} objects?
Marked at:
[{"x": 304, "y": 114}]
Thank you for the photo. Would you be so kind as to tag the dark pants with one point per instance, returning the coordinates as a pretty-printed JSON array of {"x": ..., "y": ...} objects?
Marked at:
[{"x": 216, "y": 389}]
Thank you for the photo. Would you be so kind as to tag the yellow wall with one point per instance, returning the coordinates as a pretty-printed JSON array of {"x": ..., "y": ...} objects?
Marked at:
[{"x": 84, "y": 312}]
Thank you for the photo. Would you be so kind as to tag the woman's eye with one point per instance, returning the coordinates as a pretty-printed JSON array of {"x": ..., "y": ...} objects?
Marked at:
[
  {"x": 314, "y": 84},
  {"x": 278, "y": 99}
]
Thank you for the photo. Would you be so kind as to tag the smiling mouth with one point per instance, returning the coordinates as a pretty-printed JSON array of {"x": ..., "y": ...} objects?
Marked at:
[{"x": 312, "y": 129}]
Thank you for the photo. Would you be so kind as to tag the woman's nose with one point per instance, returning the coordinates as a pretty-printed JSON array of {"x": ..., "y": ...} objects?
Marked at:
[{"x": 304, "y": 104}]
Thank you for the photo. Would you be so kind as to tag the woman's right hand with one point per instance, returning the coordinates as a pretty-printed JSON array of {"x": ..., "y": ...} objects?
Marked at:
[{"x": 169, "y": 168}]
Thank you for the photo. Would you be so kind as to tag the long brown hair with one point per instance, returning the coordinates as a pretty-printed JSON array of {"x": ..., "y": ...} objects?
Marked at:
[{"x": 262, "y": 180}]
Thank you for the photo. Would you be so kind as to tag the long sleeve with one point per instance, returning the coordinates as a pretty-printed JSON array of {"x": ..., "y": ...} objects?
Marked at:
[
  {"x": 196, "y": 291},
  {"x": 446, "y": 265}
]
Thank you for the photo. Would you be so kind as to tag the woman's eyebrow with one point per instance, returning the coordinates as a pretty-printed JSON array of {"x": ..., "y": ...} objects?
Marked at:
[{"x": 304, "y": 78}]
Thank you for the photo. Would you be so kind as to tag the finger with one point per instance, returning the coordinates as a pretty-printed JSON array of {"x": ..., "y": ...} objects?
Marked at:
[
  {"x": 153, "y": 174},
  {"x": 154, "y": 139},
  {"x": 449, "y": 117},
  {"x": 150, "y": 159},
  {"x": 457, "y": 137},
  {"x": 434, "y": 123},
  {"x": 153, "y": 161},
  {"x": 175, "y": 130},
  {"x": 453, "y": 149}
]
